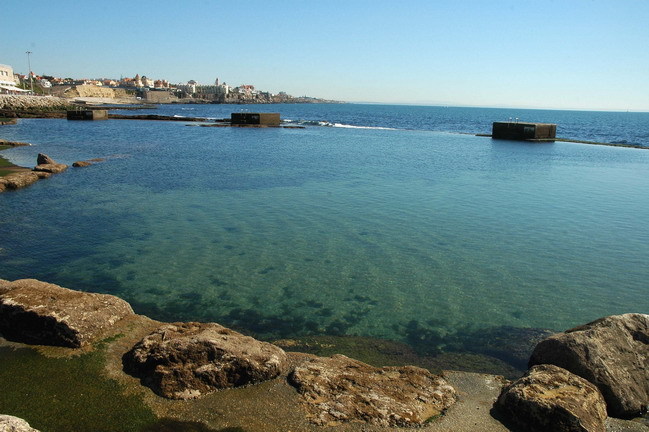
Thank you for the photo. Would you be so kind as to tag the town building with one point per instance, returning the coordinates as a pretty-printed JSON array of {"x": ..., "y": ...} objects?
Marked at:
[
  {"x": 8, "y": 80},
  {"x": 147, "y": 82}
]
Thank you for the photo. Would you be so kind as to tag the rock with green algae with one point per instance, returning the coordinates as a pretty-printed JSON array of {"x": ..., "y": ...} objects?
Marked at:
[{"x": 37, "y": 312}]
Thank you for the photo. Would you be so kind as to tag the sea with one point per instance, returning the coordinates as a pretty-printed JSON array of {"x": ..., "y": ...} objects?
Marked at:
[{"x": 379, "y": 221}]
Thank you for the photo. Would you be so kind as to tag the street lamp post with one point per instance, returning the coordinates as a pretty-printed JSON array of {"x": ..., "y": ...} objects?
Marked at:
[{"x": 29, "y": 65}]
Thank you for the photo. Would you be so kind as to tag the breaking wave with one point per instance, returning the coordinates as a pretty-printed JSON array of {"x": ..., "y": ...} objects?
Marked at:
[{"x": 335, "y": 125}]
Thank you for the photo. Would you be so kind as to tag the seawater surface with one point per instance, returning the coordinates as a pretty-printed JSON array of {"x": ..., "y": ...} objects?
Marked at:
[{"x": 406, "y": 233}]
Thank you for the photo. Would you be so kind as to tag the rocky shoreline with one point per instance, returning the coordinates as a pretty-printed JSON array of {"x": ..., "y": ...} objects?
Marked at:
[
  {"x": 20, "y": 177},
  {"x": 204, "y": 366}
]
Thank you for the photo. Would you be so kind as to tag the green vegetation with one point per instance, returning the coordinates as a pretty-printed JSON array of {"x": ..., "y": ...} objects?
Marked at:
[
  {"x": 4, "y": 163},
  {"x": 67, "y": 394},
  {"x": 26, "y": 86}
]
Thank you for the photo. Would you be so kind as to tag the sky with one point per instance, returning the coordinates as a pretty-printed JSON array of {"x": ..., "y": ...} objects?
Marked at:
[{"x": 557, "y": 54}]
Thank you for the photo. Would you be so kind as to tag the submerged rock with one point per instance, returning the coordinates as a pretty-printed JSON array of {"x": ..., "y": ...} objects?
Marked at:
[
  {"x": 14, "y": 424},
  {"x": 80, "y": 164},
  {"x": 549, "y": 398},
  {"x": 339, "y": 389},
  {"x": 37, "y": 312},
  {"x": 509, "y": 344},
  {"x": 612, "y": 353},
  {"x": 187, "y": 360}
]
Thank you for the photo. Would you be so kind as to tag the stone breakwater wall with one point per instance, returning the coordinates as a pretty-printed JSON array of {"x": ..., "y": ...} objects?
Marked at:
[{"x": 20, "y": 103}]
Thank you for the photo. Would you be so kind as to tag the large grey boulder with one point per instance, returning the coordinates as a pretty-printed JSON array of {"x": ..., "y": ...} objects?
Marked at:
[
  {"x": 612, "y": 353},
  {"x": 340, "y": 389},
  {"x": 187, "y": 360},
  {"x": 37, "y": 312},
  {"x": 14, "y": 424},
  {"x": 551, "y": 399}
]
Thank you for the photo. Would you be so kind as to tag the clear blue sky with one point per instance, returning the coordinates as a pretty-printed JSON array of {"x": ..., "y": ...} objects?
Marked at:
[{"x": 573, "y": 54}]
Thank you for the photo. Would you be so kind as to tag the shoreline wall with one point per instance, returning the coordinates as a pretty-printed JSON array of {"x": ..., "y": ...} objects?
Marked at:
[{"x": 20, "y": 102}]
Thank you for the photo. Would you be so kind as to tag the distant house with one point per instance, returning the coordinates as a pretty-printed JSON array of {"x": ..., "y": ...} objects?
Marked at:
[
  {"x": 161, "y": 84},
  {"x": 127, "y": 82},
  {"x": 147, "y": 82}
]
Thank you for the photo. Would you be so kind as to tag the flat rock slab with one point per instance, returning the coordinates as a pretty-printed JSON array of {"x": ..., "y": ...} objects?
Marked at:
[
  {"x": 14, "y": 424},
  {"x": 340, "y": 389},
  {"x": 612, "y": 353},
  {"x": 187, "y": 360},
  {"x": 18, "y": 180},
  {"x": 37, "y": 312},
  {"x": 55, "y": 168},
  {"x": 549, "y": 398}
]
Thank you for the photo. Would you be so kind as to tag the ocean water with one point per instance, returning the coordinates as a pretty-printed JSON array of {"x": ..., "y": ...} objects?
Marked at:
[{"x": 393, "y": 222}]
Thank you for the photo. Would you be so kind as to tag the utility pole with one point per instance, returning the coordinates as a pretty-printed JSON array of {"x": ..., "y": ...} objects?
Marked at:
[{"x": 29, "y": 65}]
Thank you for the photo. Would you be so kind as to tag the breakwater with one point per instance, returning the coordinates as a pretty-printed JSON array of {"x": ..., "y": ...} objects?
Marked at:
[{"x": 21, "y": 103}]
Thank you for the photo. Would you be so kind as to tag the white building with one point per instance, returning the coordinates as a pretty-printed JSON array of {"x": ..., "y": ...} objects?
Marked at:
[{"x": 8, "y": 80}]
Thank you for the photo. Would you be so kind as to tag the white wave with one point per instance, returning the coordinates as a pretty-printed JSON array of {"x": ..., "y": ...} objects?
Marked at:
[
  {"x": 340, "y": 125},
  {"x": 336, "y": 125}
]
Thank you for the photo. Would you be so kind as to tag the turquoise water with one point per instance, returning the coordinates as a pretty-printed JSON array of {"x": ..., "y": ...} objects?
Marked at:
[{"x": 415, "y": 235}]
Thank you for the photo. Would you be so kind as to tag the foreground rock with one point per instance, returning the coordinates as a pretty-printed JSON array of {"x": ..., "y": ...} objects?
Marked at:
[
  {"x": 41, "y": 313},
  {"x": 612, "y": 353},
  {"x": 187, "y": 360},
  {"x": 14, "y": 424},
  {"x": 549, "y": 398},
  {"x": 340, "y": 389}
]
